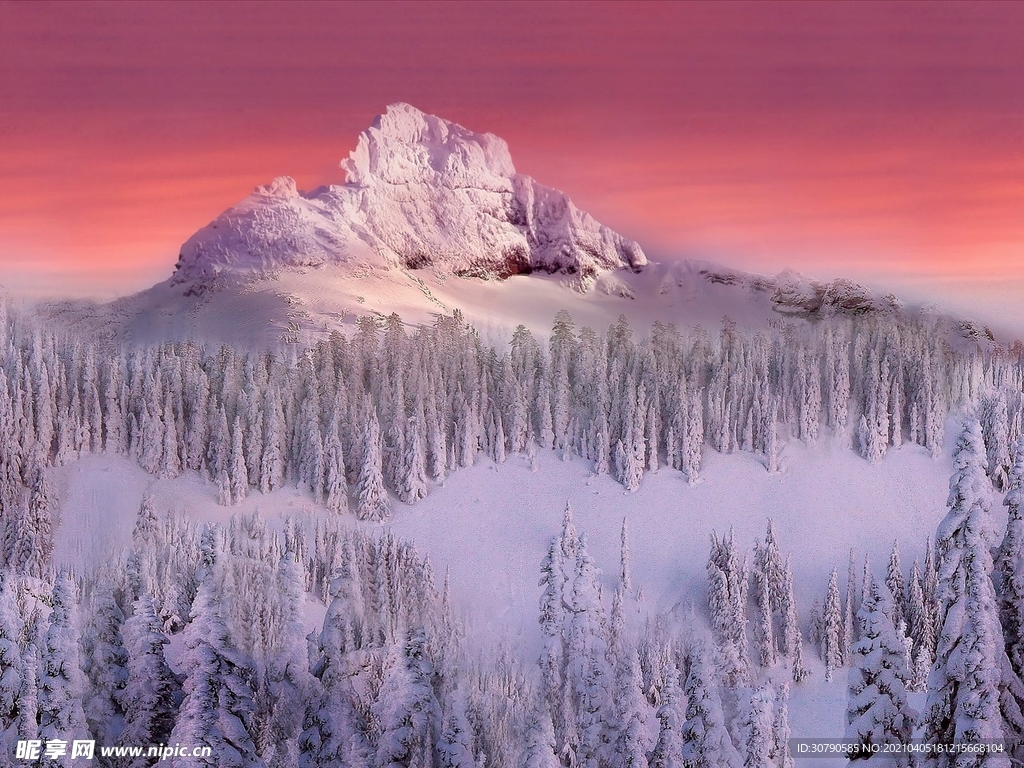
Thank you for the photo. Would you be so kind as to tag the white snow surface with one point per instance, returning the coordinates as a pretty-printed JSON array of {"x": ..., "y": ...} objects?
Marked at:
[
  {"x": 489, "y": 526},
  {"x": 304, "y": 304}
]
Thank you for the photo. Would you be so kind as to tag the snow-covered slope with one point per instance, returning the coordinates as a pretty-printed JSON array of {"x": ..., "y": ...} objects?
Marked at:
[{"x": 435, "y": 218}]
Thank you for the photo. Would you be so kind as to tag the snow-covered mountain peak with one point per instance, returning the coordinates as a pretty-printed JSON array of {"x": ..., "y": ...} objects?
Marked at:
[
  {"x": 406, "y": 146},
  {"x": 421, "y": 193}
]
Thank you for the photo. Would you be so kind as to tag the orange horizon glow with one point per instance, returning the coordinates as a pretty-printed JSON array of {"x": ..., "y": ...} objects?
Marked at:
[{"x": 877, "y": 141}]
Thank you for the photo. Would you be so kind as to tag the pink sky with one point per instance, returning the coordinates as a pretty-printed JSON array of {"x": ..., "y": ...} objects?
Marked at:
[{"x": 882, "y": 142}]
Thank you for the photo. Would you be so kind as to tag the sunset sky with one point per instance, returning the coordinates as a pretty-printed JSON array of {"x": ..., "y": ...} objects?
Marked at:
[{"x": 881, "y": 142}]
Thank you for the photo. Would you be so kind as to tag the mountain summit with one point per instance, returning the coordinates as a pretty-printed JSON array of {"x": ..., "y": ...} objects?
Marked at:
[{"x": 421, "y": 192}]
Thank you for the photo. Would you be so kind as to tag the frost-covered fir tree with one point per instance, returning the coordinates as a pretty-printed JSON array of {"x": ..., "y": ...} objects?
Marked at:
[
  {"x": 152, "y": 692},
  {"x": 27, "y": 723},
  {"x": 237, "y": 471},
  {"x": 217, "y": 710},
  {"x": 757, "y": 729},
  {"x": 588, "y": 677},
  {"x": 693, "y": 444},
  {"x": 334, "y": 733},
  {"x": 625, "y": 574},
  {"x": 372, "y": 502},
  {"x": 1010, "y": 565},
  {"x": 30, "y": 534},
  {"x": 286, "y": 669},
  {"x": 104, "y": 661},
  {"x": 413, "y": 480},
  {"x": 668, "y": 751},
  {"x": 407, "y": 710},
  {"x": 11, "y": 666},
  {"x": 794, "y": 642},
  {"x": 61, "y": 684},
  {"x": 455, "y": 746},
  {"x": 272, "y": 461},
  {"x": 921, "y": 629},
  {"x": 170, "y": 460},
  {"x": 849, "y": 628},
  {"x": 832, "y": 628},
  {"x": 706, "y": 741},
  {"x": 964, "y": 688},
  {"x": 897, "y": 588},
  {"x": 782, "y": 754},
  {"x": 553, "y": 612},
  {"x": 540, "y": 742},
  {"x": 727, "y": 596},
  {"x": 764, "y": 632},
  {"x": 336, "y": 496},
  {"x": 995, "y": 429},
  {"x": 632, "y": 714},
  {"x": 877, "y": 710}
]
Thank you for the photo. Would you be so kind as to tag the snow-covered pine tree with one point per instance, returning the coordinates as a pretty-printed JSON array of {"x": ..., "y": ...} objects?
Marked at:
[
  {"x": 152, "y": 693},
  {"x": 61, "y": 685},
  {"x": 878, "y": 712},
  {"x": 832, "y": 628},
  {"x": 995, "y": 427},
  {"x": 921, "y": 630},
  {"x": 849, "y": 628},
  {"x": 1010, "y": 565},
  {"x": 310, "y": 459},
  {"x": 706, "y": 740},
  {"x": 334, "y": 731},
  {"x": 272, "y": 461},
  {"x": 372, "y": 498},
  {"x": 413, "y": 481},
  {"x": 455, "y": 746},
  {"x": 757, "y": 729},
  {"x": 287, "y": 668},
  {"x": 588, "y": 677},
  {"x": 407, "y": 710},
  {"x": 964, "y": 688},
  {"x": 30, "y": 528},
  {"x": 770, "y": 431},
  {"x": 540, "y": 741},
  {"x": 552, "y": 621},
  {"x": 781, "y": 754},
  {"x": 693, "y": 441},
  {"x": 336, "y": 491},
  {"x": 897, "y": 588},
  {"x": 668, "y": 751},
  {"x": 11, "y": 666},
  {"x": 218, "y": 452},
  {"x": 625, "y": 575},
  {"x": 28, "y": 699},
  {"x": 105, "y": 665},
  {"x": 170, "y": 460},
  {"x": 631, "y": 713},
  {"x": 764, "y": 632},
  {"x": 794, "y": 642},
  {"x": 218, "y": 705},
  {"x": 237, "y": 471},
  {"x": 727, "y": 597}
]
